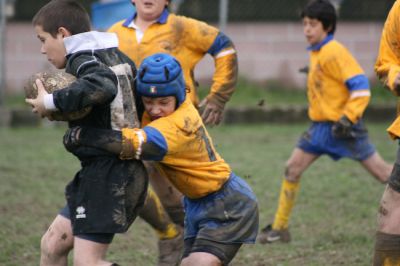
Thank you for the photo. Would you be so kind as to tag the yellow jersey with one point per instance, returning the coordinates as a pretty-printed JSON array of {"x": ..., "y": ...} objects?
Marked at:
[
  {"x": 181, "y": 144},
  {"x": 387, "y": 65},
  {"x": 188, "y": 40},
  {"x": 336, "y": 84}
]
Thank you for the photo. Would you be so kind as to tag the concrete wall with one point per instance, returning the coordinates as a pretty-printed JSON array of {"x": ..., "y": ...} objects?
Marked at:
[{"x": 267, "y": 51}]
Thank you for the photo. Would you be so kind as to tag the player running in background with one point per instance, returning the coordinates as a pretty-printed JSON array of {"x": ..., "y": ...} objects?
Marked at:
[
  {"x": 153, "y": 29},
  {"x": 387, "y": 247},
  {"x": 221, "y": 211},
  {"x": 338, "y": 94}
]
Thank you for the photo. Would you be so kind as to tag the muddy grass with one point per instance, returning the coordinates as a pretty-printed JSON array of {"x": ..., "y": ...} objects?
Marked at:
[{"x": 333, "y": 222}]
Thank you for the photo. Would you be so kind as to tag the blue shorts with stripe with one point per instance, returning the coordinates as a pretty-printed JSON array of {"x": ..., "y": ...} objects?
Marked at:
[
  {"x": 318, "y": 140},
  {"x": 229, "y": 215}
]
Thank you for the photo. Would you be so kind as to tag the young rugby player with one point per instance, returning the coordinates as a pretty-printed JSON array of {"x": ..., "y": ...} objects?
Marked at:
[
  {"x": 106, "y": 193},
  {"x": 221, "y": 210},
  {"x": 338, "y": 93},
  {"x": 387, "y": 248},
  {"x": 153, "y": 29}
]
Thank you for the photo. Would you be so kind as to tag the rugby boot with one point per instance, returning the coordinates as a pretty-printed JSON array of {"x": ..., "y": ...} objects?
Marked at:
[
  {"x": 170, "y": 250},
  {"x": 269, "y": 235}
]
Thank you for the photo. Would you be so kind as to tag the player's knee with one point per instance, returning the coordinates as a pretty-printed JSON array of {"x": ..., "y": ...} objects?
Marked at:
[
  {"x": 292, "y": 172},
  {"x": 200, "y": 258},
  {"x": 91, "y": 259},
  {"x": 81, "y": 261},
  {"x": 383, "y": 174},
  {"x": 55, "y": 245}
]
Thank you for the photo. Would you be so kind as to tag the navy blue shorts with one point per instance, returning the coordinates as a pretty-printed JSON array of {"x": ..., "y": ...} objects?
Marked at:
[
  {"x": 229, "y": 215},
  {"x": 103, "y": 238},
  {"x": 319, "y": 140}
]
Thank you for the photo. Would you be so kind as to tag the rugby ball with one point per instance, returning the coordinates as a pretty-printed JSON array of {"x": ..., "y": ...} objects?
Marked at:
[{"x": 52, "y": 81}]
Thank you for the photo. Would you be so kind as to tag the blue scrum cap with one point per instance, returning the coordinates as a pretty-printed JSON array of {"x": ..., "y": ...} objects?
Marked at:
[{"x": 161, "y": 75}]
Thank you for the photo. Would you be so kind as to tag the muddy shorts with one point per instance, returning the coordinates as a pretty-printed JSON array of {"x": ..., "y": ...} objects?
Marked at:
[
  {"x": 106, "y": 195},
  {"x": 103, "y": 238},
  {"x": 319, "y": 140},
  {"x": 228, "y": 218}
]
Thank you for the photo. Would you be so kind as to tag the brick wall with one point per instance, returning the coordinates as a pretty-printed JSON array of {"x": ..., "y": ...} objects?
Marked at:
[
  {"x": 22, "y": 53},
  {"x": 267, "y": 51}
]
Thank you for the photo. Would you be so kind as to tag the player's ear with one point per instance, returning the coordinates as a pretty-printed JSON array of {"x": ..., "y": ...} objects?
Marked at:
[{"x": 64, "y": 32}]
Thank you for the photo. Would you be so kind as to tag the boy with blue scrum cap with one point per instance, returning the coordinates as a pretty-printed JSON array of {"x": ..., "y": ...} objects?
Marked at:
[
  {"x": 153, "y": 29},
  {"x": 221, "y": 210}
]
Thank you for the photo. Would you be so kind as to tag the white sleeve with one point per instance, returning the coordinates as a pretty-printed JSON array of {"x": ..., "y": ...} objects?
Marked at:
[{"x": 48, "y": 102}]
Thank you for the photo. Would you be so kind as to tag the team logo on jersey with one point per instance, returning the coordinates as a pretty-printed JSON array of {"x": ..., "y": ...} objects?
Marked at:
[
  {"x": 153, "y": 89},
  {"x": 80, "y": 212}
]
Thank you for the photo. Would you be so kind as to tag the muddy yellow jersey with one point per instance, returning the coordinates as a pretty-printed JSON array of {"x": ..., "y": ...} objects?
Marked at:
[
  {"x": 336, "y": 84},
  {"x": 387, "y": 65},
  {"x": 181, "y": 144},
  {"x": 189, "y": 41}
]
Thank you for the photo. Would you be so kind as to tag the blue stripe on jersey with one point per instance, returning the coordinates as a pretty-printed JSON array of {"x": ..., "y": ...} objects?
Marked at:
[
  {"x": 129, "y": 20},
  {"x": 359, "y": 82},
  {"x": 221, "y": 42},
  {"x": 164, "y": 17},
  {"x": 157, "y": 141}
]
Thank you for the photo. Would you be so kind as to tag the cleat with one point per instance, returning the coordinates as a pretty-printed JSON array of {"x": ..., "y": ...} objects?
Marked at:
[
  {"x": 170, "y": 250},
  {"x": 269, "y": 235}
]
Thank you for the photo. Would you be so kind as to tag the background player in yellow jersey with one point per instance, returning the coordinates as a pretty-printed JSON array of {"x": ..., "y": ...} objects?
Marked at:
[
  {"x": 338, "y": 93},
  {"x": 387, "y": 248},
  {"x": 152, "y": 29},
  {"x": 221, "y": 211}
]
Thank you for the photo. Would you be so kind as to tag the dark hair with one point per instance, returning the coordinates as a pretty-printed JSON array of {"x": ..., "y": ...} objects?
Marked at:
[
  {"x": 322, "y": 10},
  {"x": 62, "y": 13}
]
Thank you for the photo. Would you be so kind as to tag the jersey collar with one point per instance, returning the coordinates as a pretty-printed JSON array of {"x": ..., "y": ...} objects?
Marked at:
[
  {"x": 318, "y": 46},
  {"x": 162, "y": 19},
  {"x": 91, "y": 40}
]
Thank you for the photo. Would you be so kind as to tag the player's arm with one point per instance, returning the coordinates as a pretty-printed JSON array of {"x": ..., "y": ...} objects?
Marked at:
[
  {"x": 146, "y": 144},
  {"x": 207, "y": 39},
  {"x": 96, "y": 84},
  {"x": 342, "y": 66},
  {"x": 360, "y": 95},
  {"x": 387, "y": 65},
  {"x": 358, "y": 87},
  {"x": 224, "y": 79}
]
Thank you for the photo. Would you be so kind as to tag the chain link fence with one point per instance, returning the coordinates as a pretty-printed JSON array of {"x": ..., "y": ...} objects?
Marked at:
[
  {"x": 282, "y": 10},
  {"x": 245, "y": 10}
]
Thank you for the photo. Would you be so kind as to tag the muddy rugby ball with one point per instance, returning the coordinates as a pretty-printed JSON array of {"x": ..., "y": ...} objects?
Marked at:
[{"x": 52, "y": 81}]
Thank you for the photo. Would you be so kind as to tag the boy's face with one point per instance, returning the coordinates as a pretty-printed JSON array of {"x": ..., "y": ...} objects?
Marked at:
[
  {"x": 53, "y": 48},
  {"x": 149, "y": 9},
  {"x": 313, "y": 30},
  {"x": 159, "y": 106}
]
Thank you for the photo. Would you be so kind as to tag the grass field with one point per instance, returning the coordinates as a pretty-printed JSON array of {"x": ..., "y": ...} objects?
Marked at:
[{"x": 333, "y": 222}]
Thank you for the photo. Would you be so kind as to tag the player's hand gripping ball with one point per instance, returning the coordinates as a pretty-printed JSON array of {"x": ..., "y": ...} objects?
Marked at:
[{"x": 52, "y": 81}]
